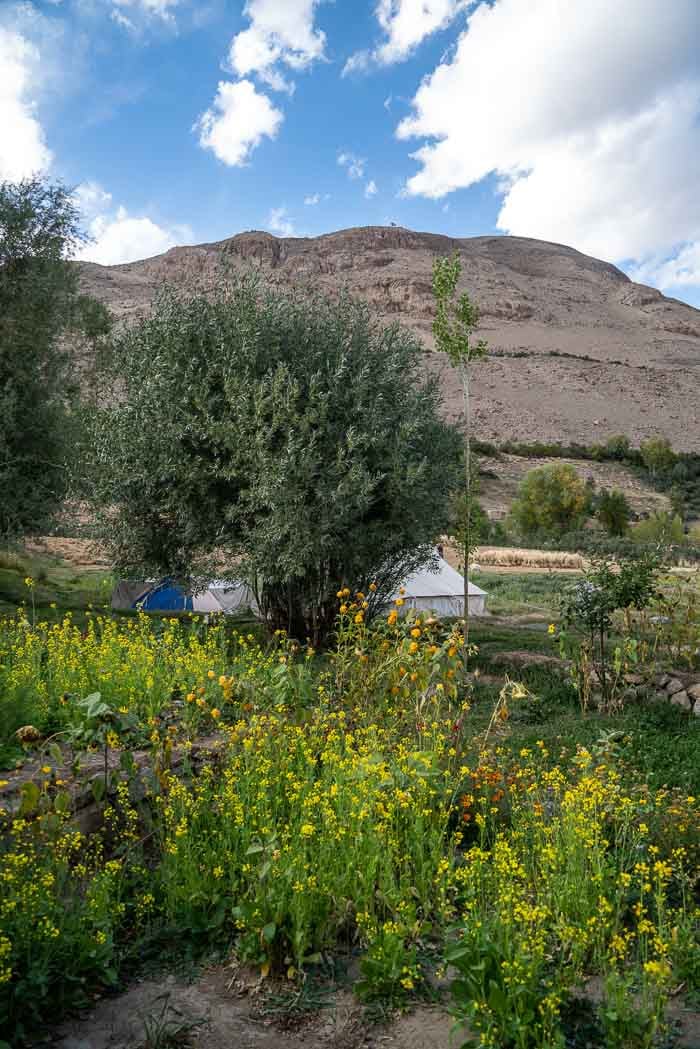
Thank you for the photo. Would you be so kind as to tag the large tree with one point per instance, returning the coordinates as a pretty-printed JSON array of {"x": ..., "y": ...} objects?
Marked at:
[
  {"x": 40, "y": 304},
  {"x": 286, "y": 436}
]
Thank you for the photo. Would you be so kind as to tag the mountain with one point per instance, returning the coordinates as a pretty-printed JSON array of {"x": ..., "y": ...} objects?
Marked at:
[{"x": 577, "y": 350}]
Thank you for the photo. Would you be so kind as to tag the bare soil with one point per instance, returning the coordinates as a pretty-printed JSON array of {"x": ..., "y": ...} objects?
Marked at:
[
  {"x": 222, "y": 1011},
  {"x": 227, "y": 1009}
]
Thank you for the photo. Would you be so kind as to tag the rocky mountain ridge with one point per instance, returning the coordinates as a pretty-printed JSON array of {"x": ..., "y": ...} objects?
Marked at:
[{"x": 577, "y": 350}]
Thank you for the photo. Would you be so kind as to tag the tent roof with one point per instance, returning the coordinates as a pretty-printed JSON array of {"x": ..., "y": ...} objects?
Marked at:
[{"x": 446, "y": 581}]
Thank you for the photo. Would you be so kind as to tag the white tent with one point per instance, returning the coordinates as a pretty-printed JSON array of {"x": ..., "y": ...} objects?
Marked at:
[{"x": 442, "y": 592}]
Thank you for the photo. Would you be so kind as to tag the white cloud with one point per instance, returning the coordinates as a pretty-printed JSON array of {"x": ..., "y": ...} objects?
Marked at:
[
  {"x": 236, "y": 123},
  {"x": 371, "y": 189},
  {"x": 23, "y": 149},
  {"x": 118, "y": 236},
  {"x": 588, "y": 115},
  {"x": 354, "y": 165},
  {"x": 405, "y": 24},
  {"x": 680, "y": 271},
  {"x": 280, "y": 31},
  {"x": 91, "y": 199},
  {"x": 312, "y": 200},
  {"x": 162, "y": 9},
  {"x": 279, "y": 222}
]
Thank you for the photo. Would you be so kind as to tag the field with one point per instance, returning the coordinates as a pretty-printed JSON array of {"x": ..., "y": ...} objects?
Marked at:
[{"x": 365, "y": 844}]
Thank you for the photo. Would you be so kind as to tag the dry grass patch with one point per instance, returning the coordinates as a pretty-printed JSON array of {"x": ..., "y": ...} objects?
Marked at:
[{"x": 515, "y": 557}]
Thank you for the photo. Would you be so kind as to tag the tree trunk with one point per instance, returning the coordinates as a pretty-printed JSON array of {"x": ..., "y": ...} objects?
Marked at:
[{"x": 464, "y": 376}]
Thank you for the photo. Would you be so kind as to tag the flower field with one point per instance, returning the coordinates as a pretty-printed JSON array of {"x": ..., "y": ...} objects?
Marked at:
[{"x": 362, "y": 803}]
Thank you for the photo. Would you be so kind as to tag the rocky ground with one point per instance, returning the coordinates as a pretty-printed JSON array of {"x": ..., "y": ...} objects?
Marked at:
[{"x": 577, "y": 351}]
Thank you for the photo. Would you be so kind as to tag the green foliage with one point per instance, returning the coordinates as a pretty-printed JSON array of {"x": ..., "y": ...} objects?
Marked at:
[
  {"x": 613, "y": 511},
  {"x": 679, "y": 470},
  {"x": 456, "y": 318},
  {"x": 618, "y": 447},
  {"x": 292, "y": 432},
  {"x": 551, "y": 500},
  {"x": 469, "y": 523},
  {"x": 662, "y": 527},
  {"x": 588, "y": 607},
  {"x": 657, "y": 455},
  {"x": 40, "y": 303}
]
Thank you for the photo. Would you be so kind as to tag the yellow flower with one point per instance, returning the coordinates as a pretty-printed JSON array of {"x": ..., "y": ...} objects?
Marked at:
[
  {"x": 211, "y": 675},
  {"x": 373, "y": 587},
  {"x": 413, "y": 647},
  {"x": 399, "y": 602},
  {"x": 359, "y": 617},
  {"x": 29, "y": 583},
  {"x": 343, "y": 609},
  {"x": 223, "y": 680},
  {"x": 415, "y": 632},
  {"x": 306, "y": 830},
  {"x": 551, "y": 629},
  {"x": 215, "y": 712},
  {"x": 46, "y": 769},
  {"x": 392, "y": 617}
]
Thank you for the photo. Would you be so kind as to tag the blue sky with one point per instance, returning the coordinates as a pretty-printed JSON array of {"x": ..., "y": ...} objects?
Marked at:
[{"x": 191, "y": 120}]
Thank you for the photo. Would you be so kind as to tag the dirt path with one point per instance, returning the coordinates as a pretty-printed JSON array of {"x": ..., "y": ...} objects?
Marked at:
[{"x": 215, "y": 1012}]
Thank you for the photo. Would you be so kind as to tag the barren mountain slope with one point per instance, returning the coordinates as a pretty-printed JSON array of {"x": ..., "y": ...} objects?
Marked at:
[{"x": 578, "y": 351}]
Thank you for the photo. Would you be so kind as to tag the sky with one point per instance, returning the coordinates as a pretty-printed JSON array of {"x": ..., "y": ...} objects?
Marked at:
[{"x": 187, "y": 121}]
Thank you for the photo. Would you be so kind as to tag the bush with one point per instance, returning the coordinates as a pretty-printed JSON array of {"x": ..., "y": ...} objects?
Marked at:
[
  {"x": 663, "y": 527},
  {"x": 552, "y": 500}
]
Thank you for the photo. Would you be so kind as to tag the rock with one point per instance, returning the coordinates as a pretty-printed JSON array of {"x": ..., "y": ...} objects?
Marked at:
[
  {"x": 521, "y": 658},
  {"x": 634, "y": 679},
  {"x": 673, "y": 686},
  {"x": 694, "y": 691},
  {"x": 696, "y": 708},
  {"x": 680, "y": 699},
  {"x": 661, "y": 680}
]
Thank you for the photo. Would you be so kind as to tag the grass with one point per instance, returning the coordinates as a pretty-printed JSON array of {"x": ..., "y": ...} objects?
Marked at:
[
  {"x": 58, "y": 586},
  {"x": 529, "y": 592}
]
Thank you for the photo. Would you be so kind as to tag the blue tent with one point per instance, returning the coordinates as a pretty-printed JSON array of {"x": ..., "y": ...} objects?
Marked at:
[{"x": 166, "y": 597}]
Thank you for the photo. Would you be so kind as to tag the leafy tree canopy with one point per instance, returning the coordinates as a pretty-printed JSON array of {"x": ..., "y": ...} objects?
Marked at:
[
  {"x": 613, "y": 511},
  {"x": 657, "y": 455},
  {"x": 288, "y": 437},
  {"x": 552, "y": 500},
  {"x": 40, "y": 303}
]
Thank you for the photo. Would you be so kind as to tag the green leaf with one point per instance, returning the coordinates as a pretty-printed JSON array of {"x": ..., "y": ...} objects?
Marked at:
[
  {"x": 29, "y": 798},
  {"x": 62, "y": 802},
  {"x": 98, "y": 788},
  {"x": 56, "y": 753},
  {"x": 269, "y": 932}
]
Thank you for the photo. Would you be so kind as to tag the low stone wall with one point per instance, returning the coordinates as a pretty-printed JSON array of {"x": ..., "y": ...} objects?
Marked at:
[
  {"x": 680, "y": 689},
  {"x": 87, "y": 814}
]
